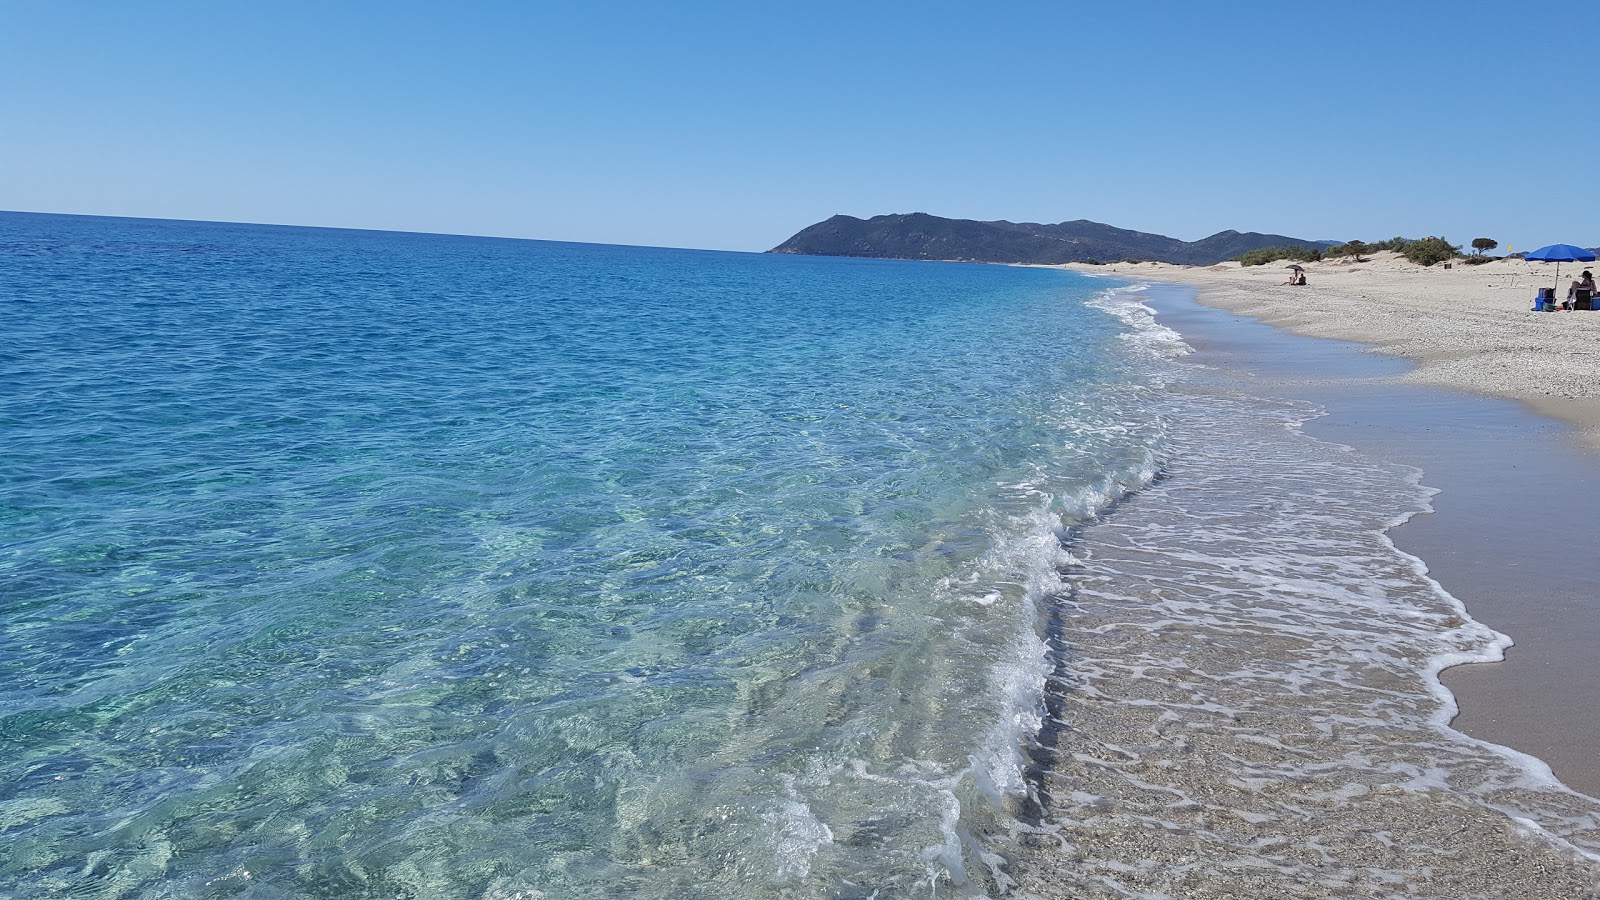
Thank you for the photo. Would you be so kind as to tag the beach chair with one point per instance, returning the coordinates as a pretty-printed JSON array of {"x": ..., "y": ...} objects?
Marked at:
[{"x": 1582, "y": 299}]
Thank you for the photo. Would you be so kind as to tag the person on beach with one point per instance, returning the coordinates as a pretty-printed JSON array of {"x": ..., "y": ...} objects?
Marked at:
[
  {"x": 1299, "y": 277},
  {"x": 1584, "y": 283}
]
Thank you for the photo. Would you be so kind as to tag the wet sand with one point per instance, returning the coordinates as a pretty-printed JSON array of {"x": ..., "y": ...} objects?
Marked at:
[
  {"x": 1174, "y": 770},
  {"x": 1514, "y": 535},
  {"x": 1466, "y": 327},
  {"x": 1240, "y": 797}
]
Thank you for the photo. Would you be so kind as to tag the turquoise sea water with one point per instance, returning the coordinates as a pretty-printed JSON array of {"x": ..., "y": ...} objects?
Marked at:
[
  {"x": 341, "y": 563},
  {"x": 346, "y": 564}
]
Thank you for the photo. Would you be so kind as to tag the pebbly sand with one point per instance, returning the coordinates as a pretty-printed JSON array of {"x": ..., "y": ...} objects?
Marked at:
[{"x": 1516, "y": 491}]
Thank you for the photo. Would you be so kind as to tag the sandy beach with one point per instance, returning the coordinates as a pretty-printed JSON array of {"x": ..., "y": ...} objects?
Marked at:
[
  {"x": 1469, "y": 327},
  {"x": 1516, "y": 492},
  {"x": 1517, "y": 498}
]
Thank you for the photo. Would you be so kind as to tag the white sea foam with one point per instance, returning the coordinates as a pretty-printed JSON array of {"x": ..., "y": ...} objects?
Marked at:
[
  {"x": 1148, "y": 335},
  {"x": 1245, "y": 644},
  {"x": 795, "y": 836}
]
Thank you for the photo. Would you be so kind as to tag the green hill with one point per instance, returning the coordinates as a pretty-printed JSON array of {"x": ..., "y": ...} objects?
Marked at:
[{"x": 921, "y": 236}]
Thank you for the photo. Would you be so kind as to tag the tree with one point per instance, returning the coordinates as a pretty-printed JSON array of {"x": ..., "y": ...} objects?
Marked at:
[
  {"x": 1479, "y": 245},
  {"x": 1428, "y": 250},
  {"x": 1348, "y": 250}
]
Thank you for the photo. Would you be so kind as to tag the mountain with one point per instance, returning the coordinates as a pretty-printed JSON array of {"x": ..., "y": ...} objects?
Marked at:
[{"x": 921, "y": 236}]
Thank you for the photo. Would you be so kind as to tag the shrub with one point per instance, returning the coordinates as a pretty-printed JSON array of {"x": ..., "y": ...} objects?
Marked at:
[
  {"x": 1272, "y": 254},
  {"x": 1133, "y": 262},
  {"x": 1258, "y": 257},
  {"x": 1478, "y": 260},
  {"x": 1394, "y": 243},
  {"x": 1429, "y": 250},
  {"x": 1354, "y": 249}
]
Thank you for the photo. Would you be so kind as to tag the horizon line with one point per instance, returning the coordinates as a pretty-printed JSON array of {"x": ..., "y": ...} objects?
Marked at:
[{"x": 496, "y": 237}]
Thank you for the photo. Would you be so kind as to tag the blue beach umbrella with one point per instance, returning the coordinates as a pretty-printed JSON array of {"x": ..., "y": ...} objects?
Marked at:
[{"x": 1560, "y": 253}]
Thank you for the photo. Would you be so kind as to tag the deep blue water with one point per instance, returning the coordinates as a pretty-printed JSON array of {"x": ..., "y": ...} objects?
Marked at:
[{"x": 340, "y": 563}]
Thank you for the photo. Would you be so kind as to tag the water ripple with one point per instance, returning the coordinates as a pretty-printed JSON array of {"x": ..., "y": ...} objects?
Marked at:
[{"x": 344, "y": 563}]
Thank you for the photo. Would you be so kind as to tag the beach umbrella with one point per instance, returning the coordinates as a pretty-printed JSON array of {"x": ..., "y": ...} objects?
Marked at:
[
  {"x": 1292, "y": 267},
  {"x": 1560, "y": 253}
]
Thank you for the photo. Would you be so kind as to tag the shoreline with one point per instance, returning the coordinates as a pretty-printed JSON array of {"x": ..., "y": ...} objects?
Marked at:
[
  {"x": 1518, "y": 476},
  {"x": 1251, "y": 701},
  {"x": 1465, "y": 328}
]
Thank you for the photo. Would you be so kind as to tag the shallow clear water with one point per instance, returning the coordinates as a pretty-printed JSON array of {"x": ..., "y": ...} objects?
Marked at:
[{"x": 343, "y": 563}]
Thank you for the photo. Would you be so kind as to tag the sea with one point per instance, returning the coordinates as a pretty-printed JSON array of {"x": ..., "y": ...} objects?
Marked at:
[{"x": 342, "y": 563}]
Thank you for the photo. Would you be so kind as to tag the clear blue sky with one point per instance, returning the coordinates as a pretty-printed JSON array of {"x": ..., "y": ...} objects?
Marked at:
[{"x": 732, "y": 125}]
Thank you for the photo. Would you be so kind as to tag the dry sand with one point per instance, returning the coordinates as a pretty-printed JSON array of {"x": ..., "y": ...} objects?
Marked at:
[{"x": 1468, "y": 327}]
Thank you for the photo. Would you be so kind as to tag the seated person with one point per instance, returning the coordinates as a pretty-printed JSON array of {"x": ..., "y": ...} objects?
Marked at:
[
  {"x": 1299, "y": 277},
  {"x": 1584, "y": 283}
]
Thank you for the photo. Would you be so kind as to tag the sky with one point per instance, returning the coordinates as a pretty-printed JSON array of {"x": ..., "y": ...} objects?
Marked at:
[{"x": 731, "y": 125}]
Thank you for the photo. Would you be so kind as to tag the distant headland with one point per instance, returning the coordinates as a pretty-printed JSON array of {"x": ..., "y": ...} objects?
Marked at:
[{"x": 922, "y": 236}]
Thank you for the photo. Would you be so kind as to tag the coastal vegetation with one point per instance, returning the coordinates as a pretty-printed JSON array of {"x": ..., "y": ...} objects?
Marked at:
[
  {"x": 1422, "y": 251},
  {"x": 1273, "y": 254},
  {"x": 1429, "y": 250},
  {"x": 1353, "y": 250}
]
